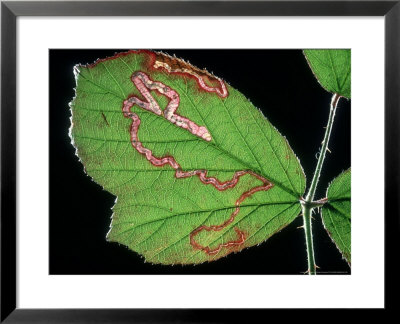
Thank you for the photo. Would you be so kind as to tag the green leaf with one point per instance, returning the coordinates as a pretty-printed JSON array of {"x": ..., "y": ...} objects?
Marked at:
[
  {"x": 332, "y": 68},
  {"x": 168, "y": 209},
  {"x": 336, "y": 213}
]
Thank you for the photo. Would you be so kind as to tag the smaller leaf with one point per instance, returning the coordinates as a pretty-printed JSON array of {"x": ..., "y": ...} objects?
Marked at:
[
  {"x": 336, "y": 215},
  {"x": 332, "y": 68}
]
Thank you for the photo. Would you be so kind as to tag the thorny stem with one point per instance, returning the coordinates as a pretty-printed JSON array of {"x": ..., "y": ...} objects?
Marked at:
[
  {"x": 307, "y": 204},
  {"x": 307, "y": 210}
]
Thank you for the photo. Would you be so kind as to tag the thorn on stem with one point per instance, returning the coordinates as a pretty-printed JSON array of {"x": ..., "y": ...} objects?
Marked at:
[
  {"x": 315, "y": 269},
  {"x": 299, "y": 227},
  {"x": 328, "y": 150}
]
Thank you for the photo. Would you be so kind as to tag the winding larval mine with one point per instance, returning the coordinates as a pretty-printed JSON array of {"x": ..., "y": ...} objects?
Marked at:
[{"x": 144, "y": 85}]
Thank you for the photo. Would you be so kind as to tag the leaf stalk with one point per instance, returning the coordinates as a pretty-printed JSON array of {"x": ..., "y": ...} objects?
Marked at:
[{"x": 308, "y": 204}]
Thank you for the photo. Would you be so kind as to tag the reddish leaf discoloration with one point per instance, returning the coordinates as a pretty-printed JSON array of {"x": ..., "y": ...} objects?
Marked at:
[{"x": 144, "y": 84}]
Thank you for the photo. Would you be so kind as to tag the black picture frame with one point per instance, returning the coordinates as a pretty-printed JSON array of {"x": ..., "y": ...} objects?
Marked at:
[{"x": 10, "y": 10}]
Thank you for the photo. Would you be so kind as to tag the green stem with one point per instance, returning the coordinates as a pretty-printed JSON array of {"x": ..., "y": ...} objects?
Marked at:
[
  {"x": 317, "y": 173},
  {"x": 307, "y": 211},
  {"x": 307, "y": 203}
]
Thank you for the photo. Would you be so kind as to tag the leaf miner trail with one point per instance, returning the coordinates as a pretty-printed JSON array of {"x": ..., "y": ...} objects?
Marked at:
[{"x": 144, "y": 84}]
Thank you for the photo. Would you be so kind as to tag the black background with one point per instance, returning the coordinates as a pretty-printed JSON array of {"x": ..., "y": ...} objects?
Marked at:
[{"x": 280, "y": 83}]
